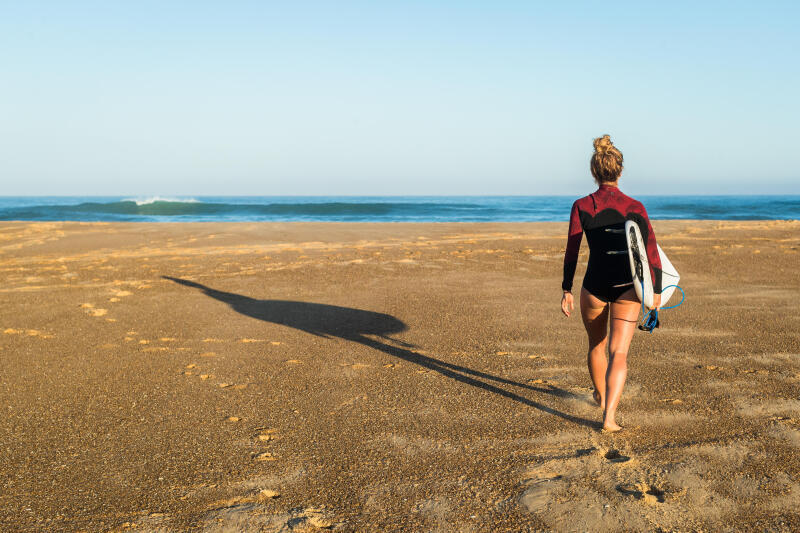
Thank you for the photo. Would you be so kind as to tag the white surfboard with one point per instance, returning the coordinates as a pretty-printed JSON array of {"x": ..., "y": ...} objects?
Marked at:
[{"x": 640, "y": 268}]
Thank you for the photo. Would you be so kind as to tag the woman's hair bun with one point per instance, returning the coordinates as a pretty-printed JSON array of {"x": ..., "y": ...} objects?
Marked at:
[
  {"x": 603, "y": 144},
  {"x": 606, "y": 163}
]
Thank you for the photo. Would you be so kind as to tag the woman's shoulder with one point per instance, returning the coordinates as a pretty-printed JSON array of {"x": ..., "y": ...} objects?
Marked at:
[
  {"x": 633, "y": 204},
  {"x": 582, "y": 201}
]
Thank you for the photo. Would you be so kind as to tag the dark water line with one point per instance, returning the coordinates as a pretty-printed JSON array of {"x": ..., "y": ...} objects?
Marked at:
[{"x": 381, "y": 209}]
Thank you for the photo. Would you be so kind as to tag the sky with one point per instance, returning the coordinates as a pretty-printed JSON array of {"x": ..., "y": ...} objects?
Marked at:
[{"x": 396, "y": 98}]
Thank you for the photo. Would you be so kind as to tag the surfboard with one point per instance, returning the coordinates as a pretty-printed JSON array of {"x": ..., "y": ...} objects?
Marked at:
[{"x": 640, "y": 268}]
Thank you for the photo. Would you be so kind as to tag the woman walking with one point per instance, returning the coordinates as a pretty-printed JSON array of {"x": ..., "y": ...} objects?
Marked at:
[{"x": 607, "y": 294}]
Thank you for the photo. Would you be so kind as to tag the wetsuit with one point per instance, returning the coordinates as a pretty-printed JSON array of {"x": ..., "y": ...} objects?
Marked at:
[{"x": 602, "y": 216}]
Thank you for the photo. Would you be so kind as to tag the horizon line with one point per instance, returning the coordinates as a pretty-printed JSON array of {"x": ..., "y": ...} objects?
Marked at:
[{"x": 159, "y": 196}]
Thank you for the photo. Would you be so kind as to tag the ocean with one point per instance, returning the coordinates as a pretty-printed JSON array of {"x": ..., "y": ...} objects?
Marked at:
[{"x": 377, "y": 208}]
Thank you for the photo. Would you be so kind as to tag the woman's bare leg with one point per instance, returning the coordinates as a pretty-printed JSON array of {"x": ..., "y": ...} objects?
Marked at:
[
  {"x": 595, "y": 319},
  {"x": 624, "y": 316}
]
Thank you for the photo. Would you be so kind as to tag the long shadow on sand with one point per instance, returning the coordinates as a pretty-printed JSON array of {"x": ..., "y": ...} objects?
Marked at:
[{"x": 355, "y": 324}]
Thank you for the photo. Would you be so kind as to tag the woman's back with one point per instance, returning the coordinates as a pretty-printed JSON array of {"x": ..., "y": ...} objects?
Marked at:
[{"x": 602, "y": 216}]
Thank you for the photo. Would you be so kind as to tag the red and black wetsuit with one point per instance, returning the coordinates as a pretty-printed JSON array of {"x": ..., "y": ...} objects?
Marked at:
[{"x": 602, "y": 216}]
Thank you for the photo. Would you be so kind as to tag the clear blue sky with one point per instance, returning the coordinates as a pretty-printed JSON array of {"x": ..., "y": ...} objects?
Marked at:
[{"x": 412, "y": 97}]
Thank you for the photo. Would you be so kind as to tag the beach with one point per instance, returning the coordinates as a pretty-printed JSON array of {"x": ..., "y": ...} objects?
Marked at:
[{"x": 386, "y": 377}]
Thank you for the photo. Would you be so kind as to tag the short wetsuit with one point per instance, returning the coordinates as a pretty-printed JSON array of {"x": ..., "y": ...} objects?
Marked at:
[{"x": 602, "y": 216}]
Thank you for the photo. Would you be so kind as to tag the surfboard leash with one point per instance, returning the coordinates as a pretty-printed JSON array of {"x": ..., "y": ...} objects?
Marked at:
[{"x": 650, "y": 319}]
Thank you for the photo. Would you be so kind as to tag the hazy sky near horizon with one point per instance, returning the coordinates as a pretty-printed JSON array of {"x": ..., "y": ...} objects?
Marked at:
[{"x": 396, "y": 98}]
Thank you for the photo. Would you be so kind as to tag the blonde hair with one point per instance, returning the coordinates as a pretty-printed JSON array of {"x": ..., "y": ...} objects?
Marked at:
[{"x": 606, "y": 163}]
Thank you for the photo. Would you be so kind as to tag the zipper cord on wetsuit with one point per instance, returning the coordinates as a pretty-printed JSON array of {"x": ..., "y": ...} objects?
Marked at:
[{"x": 650, "y": 320}]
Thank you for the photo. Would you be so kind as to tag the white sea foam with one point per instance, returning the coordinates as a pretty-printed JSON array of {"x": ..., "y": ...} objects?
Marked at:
[{"x": 154, "y": 199}]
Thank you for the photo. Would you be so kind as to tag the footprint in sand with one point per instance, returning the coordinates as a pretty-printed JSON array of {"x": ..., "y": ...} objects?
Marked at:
[
  {"x": 268, "y": 494},
  {"x": 562, "y": 471},
  {"x": 355, "y": 366},
  {"x": 515, "y": 354},
  {"x": 784, "y": 420},
  {"x": 540, "y": 487},
  {"x": 674, "y": 401},
  {"x": 264, "y": 456},
  {"x": 649, "y": 494},
  {"x": 91, "y": 310},
  {"x": 265, "y": 434},
  {"x": 244, "y": 514},
  {"x": 28, "y": 333},
  {"x": 615, "y": 456}
]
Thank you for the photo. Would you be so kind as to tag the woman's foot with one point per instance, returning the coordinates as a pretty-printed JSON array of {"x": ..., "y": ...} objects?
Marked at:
[
  {"x": 609, "y": 422},
  {"x": 597, "y": 398}
]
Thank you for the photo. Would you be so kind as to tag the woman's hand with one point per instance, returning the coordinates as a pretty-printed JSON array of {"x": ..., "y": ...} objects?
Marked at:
[{"x": 567, "y": 304}]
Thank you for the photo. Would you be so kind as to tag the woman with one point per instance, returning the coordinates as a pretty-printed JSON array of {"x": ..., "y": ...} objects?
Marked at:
[{"x": 607, "y": 286}]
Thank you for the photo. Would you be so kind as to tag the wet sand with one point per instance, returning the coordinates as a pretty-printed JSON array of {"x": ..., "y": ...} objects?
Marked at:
[{"x": 386, "y": 377}]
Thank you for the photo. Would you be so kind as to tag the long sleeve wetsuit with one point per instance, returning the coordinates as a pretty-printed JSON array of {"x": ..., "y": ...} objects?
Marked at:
[{"x": 602, "y": 216}]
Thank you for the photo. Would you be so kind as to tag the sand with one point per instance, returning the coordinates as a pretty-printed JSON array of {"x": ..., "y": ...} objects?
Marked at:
[{"x": 386, "y": 377}]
